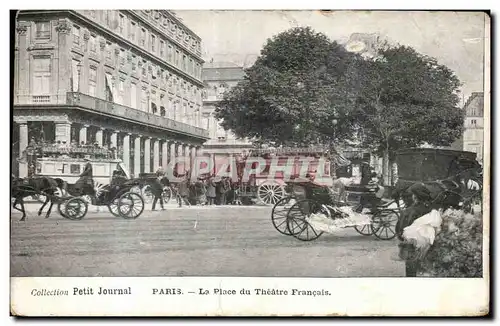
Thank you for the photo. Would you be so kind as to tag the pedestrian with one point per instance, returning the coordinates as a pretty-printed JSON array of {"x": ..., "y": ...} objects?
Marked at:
[
  {"x": 422, "y": 204},
  {"x": 157, "y": 190},
  {"x": 211, "y": 191},
  {"x": 183, "y": 191},
  {"x": 224, "y": 189},
  {"x": 202, "y": 190}
]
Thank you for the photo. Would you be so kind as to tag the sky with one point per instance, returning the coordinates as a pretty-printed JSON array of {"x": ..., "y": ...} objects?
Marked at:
[{"x": 455, "y": 39}]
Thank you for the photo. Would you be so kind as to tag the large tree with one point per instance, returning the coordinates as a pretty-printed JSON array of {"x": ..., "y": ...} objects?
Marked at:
[
  {"x": 406, "y": 99},
  {"x": 296, "y": 93}
]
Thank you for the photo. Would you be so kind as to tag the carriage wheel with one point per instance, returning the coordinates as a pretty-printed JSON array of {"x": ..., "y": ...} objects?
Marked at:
[
  {"x": 147, "y": 194},
  {"x": 364, "y": 229},
  {"x": 384, "y": 224},
  {"x": 61, "y": 207},
  {"x": 166, "y": 195},
  {"x": 113, "y": 208},
  {"x": 279, "y": 214},
  {"x": 270, "y": 194},
  {"x": 87, "y": 198},
  {"x": 75, "y": 208},
  {"x": 297, "y": 225},
  {"x": 130, "y": 205}
]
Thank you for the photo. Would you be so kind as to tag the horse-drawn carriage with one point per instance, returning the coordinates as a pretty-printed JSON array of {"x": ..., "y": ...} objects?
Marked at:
[
  {"x": 58, "y": 179},
  {"x": 454, "y": 179},
  {"x": 312, "y": 209},
  {"x": 117, "y": 195}
]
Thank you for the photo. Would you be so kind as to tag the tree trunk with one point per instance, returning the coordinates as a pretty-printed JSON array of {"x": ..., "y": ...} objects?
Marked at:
[
  {"x": 386, "y": 168},
  {"x": 386, "y": 165}
]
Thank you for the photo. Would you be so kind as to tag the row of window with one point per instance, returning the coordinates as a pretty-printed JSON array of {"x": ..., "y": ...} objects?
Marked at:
[
  {"x": 127, "y": 26},
  {"x": 167, "y": 53},
  {"x": 155, "y": 43},
  {"x": 147, "y": 71},
  {"x": 42, "y": 83},
  {"x": 118, "y": 89}
]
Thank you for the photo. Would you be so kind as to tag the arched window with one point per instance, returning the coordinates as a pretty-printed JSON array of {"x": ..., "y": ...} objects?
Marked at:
[
  {"x": 162, "y": 111},
  {"x": 153, "y": 108}
]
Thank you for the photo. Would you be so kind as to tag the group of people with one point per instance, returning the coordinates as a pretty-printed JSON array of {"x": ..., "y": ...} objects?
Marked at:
[{"x": 203, "y": 191}]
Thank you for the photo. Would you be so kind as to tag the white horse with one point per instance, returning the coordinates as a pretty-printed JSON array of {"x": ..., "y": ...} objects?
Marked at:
[{"x": 339, "y": 185}]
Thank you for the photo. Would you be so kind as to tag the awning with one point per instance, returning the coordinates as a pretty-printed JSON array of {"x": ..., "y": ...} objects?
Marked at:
[{"x": 109, "y": 86}]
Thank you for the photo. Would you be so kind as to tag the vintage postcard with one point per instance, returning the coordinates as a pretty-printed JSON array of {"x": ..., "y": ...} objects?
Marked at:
[{"x": 250, "y": 163}]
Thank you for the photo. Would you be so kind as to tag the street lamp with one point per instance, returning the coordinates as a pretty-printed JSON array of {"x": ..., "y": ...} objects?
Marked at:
[{"x": 79, "y": 70}]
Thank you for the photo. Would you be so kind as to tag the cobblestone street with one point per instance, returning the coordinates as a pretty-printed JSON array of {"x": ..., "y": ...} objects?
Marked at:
[{"x": 195, "y": 241}]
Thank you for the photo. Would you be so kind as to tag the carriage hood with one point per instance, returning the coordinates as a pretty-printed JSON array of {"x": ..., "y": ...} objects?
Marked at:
[{"x": 121, "y": 167}]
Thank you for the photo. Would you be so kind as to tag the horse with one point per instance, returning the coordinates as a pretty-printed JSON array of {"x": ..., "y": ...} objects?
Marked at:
[
  {"x": 339, "y": 185},
  {"x": 22, "y": 188}
]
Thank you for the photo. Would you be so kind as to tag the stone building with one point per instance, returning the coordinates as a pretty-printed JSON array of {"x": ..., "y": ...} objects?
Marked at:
[
  {"x": 219, "y": 78},
  {"x": 128, "y": 79},
  {"x": 473, "y": 137}
]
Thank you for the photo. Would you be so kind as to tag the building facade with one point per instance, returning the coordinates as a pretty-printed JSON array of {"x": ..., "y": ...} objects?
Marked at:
[
  {"x": 473, "y": 137},
  {"x": 219, "y": 78},
  {"x": 127, "y": 79}
]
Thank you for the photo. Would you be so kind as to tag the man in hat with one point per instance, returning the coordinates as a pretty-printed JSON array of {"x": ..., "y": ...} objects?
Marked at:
[
  {"x": 157, "y": 190},
  {"x": 183, "y": 191},
  {"x": 160, "y": 172}
]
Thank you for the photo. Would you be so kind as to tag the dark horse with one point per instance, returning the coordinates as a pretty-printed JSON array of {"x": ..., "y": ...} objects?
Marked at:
[{"x": 22, "y": 188}]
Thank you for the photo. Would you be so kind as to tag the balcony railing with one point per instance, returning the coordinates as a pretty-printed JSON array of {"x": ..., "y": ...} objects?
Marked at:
[
  {"x": 40, "y": 99},
  {"x": 102, "y": 106}
]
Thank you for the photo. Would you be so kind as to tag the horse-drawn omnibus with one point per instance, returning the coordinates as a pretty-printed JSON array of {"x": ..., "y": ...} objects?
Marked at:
[
  {"x": 68, "y": 162},
  {"x": 267, "y": 184}
]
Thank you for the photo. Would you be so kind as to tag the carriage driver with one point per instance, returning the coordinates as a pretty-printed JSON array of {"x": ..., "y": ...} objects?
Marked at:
[{"x": 85, "y": 180}]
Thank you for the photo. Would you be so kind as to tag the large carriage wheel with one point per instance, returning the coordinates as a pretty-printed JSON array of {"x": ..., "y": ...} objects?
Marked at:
[
  {"x": 61, "y": 207},
  {"x": 113, "y": 207},
  {"x": 166, "y": 195},
  {"x": 279, "y": 214},
  {"x": 270, "y": 193},
  {"x": 364, "y": 229},
  {"x": 297, "y": 225},
  {"x": 73, "y": 209},
  {"x": 130, "y": 205},
  {"x": 384, "y": 223}
]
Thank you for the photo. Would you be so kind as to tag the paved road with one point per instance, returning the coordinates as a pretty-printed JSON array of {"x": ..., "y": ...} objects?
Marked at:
[{"x": 195, "y": 241}]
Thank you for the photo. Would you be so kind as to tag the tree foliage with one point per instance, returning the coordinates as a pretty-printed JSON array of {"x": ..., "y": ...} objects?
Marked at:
[
  {"x": 407, "y": 99},
  {"x": 303, "y": 82},
  {"x": 294, "y": 91}
]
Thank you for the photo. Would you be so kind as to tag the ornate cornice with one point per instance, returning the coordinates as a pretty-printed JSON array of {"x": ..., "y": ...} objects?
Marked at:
[
  {"x": 63, "y": 27},
  {"x": 21, "y": 29}
]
